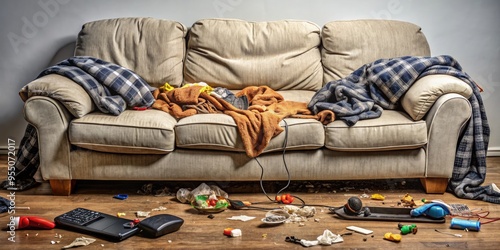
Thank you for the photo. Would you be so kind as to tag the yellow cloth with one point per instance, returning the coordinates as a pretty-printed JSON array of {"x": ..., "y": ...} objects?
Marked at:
[{"x": 205, "y": 87}]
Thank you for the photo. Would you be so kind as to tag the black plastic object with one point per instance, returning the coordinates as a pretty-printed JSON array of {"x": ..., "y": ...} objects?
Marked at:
[
  {"x": 161, "y": 224},
  {"x": 353, "y": 206},
  {"x": 385, "y": 214}
]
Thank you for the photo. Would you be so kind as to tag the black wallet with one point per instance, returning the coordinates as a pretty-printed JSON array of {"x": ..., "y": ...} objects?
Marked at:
[{"x": 161, "y": 224}]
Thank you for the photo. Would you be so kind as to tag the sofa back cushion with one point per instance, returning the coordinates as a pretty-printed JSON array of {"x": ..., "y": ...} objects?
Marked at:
[
  {"x": 348, "y": 45},
  {"x": 153, "y": 48},
  {"x": 234, "y": 54}
]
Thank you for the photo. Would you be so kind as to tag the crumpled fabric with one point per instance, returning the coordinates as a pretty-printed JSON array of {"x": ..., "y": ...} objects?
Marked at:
[
  {"x": 308, "y": 243},
  {"x": 240, "y": 102},
  {"x": 306, "y": 211},
  {"x": 326, "y": 239},
  {"x": 329, "y": 238},
  {"x": 78, "y": 242}
]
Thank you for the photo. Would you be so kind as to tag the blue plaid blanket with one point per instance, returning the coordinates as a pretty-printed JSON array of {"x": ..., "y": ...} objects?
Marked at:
[
  {"x": 111, "y": 87},
  {"x": 380, "y": 85}
]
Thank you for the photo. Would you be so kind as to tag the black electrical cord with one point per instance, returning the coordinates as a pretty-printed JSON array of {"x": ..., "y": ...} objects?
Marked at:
[
  {"x": 303, "y": 203},
  {"x": 285, "y": 142}
]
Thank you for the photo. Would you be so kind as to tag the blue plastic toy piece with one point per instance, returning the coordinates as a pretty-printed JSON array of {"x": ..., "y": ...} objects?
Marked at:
[
  {"x": 434, "y": 210},
  {"x": 121, "y": 196}
]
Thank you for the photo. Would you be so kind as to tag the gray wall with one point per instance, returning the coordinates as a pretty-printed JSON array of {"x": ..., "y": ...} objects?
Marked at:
[{"x": 32, "y": 32}]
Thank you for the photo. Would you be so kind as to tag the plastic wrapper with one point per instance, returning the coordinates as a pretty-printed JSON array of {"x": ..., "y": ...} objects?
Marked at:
[{"x": 185, "y": 196}]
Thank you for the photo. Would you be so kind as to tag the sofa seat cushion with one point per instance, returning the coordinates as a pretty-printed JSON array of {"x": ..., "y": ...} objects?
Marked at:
[
  {"x": 219, "y": 132},
  {"x": 132, "y": 132},
  {"x": 393, "y": 130}
]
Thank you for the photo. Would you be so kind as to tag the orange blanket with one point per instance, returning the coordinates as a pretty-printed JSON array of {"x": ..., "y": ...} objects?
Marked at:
[{"x": 257, "y": 125}]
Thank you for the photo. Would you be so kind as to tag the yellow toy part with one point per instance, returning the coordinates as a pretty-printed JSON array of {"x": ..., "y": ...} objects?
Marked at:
[
  {"x": 377, "y": 197},
  {"x": 166, "y": 87},
  {"x": 392, "y": 237}
]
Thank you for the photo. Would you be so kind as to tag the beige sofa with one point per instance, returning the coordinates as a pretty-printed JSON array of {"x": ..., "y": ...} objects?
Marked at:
[{"x": 296, "y": 58}]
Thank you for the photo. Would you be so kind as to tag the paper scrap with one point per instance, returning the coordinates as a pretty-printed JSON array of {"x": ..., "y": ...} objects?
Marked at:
[
  {"x": 242, "y": 218},
  {"x": 81, "y": 241}
]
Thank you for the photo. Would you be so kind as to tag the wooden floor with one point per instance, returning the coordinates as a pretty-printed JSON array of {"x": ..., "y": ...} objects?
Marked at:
[{"x": 201, "y": 232}]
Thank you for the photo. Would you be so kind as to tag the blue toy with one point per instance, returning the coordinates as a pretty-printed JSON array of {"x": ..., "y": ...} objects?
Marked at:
[{"x": 434, "y": 210}]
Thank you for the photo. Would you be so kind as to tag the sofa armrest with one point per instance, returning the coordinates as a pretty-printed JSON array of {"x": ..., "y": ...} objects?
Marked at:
[
  {"x": 423, "y": 93},
  {"x": 51, "y": 119},
  {"x": 62, "y": 89},
  {"x": 446, "y": 121}
]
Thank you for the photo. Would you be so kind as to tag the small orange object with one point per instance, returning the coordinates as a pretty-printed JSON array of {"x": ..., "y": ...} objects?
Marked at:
[
  {"x": 284, "y": 198},
  {"x": 227, "y": 231}
]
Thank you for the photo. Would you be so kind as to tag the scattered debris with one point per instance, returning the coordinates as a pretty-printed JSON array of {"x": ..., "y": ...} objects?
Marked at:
[
  {"x": 121, "y": 196},
  {"x": 241, "y": 218},
  {"x": 406, "y": 229},
  {"x": 232, "y": 232},
  {"x": 142, "y": 214},
  {"x": 165, "y": 191},
  {"x": 284, "y": 198},
  {"x": 326, "y": 239},
  {"x": 182, "y": 195},
  {"x": 306, "y": 211},
  {"x": 81, "y": 241},
  {"x": 187, "y": 196},
  {"x": 160, "y": 208},
  {"x": 377, "y": 197},
  {"x": 210, "y": 203},
  {"x": 408, "y": 201},
  {"x": 364, "y": 196},
  {"x": 392, "y": 237},
  {"x": 276, "y": 216},
  {"x": 210, "y": 216},
  {"x": 119, "y": 214},
  {"x": 346, "y": 189},
  {"x": 156, "y": 190},
  {"x": 452, "y": 234},
  {"x": 236, "y": 233}
]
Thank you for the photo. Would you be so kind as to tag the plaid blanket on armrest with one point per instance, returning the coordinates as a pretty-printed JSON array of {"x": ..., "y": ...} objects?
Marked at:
[
  {"x": 111, "y": 87},
  {"x": 380, "y": 85}
]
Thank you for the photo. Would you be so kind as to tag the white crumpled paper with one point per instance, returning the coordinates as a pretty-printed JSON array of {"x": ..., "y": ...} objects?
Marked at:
[
  {"x": 329, "y": 238},
  {"x": 241, "y": 218},
  {"x": 78, "y": 242},
  {"x": 326, "y": 239}
]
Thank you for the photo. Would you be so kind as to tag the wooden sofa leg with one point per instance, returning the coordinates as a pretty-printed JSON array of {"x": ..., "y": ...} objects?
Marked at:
[
  {"x": 434, "y": 185},
  {"x": 62, "y": 187}
]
